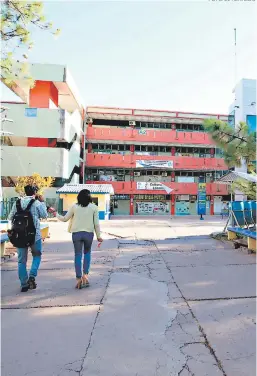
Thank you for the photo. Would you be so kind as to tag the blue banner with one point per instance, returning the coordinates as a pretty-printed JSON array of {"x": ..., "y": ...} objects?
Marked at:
[
  {"x": 31, "y": 112},
  {"x": 201, "y": 199}
]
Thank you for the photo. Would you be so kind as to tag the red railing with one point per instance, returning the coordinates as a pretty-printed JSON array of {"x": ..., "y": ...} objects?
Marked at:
[
  {"x": 129, "y": 161},
  {"x": 154, "y": 136},
  {"x": 178, "y": 188}
]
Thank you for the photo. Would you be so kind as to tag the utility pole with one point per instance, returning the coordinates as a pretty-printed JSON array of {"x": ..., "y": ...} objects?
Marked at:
[{"x": 235, "y": 43}]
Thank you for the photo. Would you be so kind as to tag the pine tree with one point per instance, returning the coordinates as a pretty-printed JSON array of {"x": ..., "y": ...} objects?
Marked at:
[
  {"x": 237, "y": 144},
  {"x": 17, "y": 21}
]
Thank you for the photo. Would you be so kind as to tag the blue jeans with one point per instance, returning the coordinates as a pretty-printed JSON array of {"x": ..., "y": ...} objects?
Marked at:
[
  {"x": 36, "y": 250},
  {"x": 82, "y": 242}
]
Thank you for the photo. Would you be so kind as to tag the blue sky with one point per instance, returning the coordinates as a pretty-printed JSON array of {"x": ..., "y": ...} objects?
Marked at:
[{"x": 159, "y": 55}]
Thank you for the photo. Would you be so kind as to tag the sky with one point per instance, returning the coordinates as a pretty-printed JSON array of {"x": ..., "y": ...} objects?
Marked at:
[{"x": 175, "y": 55}]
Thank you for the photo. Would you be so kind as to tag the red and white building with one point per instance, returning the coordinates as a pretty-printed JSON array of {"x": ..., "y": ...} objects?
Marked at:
[{"x": 154, "y": 160}]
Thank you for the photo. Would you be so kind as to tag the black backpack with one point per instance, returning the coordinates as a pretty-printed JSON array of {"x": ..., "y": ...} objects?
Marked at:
[{"x": 23, "y": 231}]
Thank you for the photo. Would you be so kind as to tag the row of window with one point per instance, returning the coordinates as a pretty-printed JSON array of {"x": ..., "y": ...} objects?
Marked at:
[
  {"x": 152, "y": 149},
  {"x": 149, "y": 125}
]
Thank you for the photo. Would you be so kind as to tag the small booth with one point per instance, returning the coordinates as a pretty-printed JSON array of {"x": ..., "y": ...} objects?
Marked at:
[{"x": 101, "y": 195}]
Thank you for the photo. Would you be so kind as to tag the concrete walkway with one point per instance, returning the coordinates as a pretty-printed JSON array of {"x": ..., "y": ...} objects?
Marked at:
[{"x": 165, "y": 299}]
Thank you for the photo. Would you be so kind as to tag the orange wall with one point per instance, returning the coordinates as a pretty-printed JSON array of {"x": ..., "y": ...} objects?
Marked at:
[
  {"x": 178, "y": 188},
  {"x": 129, "y": 161},
  {"x": 156, "y": 136},
  {"x": 40, "y": 94}
]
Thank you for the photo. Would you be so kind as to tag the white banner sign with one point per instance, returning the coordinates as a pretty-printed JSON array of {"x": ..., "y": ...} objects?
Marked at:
[
  {"x": 153, "y": 186},
  {"x": 153, "y": 164},
  {"x": 152, "y": 208}
]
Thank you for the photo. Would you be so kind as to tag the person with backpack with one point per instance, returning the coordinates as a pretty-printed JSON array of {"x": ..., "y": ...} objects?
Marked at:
[
  {"x": 25, "y": 233},
  {"x": 84, "y": 221}
]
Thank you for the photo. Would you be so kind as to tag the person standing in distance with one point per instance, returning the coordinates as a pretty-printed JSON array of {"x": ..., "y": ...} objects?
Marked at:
[{"x": 36, "y": 206}]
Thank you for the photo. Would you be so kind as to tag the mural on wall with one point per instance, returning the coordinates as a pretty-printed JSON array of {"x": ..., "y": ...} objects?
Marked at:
[
  {"x": 152, "y": 207},
  {"x": 182, "y": 208}
]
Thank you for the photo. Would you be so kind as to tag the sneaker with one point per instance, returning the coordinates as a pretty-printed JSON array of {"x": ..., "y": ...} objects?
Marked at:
[
  {"x": 25, "y": 289},
  {"x": 32, "y": 283}
]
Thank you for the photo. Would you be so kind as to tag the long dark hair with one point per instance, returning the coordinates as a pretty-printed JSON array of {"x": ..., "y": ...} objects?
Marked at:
[{"x": 84, "y": 198}]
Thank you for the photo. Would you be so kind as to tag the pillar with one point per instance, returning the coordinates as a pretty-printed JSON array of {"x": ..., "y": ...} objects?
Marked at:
[
  {"x": 132, "y": 149},
  {"x": 173, "y": 151},
  {"x": 89, "y": 148},
  {"x": 131, "y": 205},
  {"x": 44, "y": 94},
  {"x": 172, "y": 204},
  {"x": 212, "y": 205},
  {"x": 172, "y": 175},
  {"x": 212, "y": 152}
]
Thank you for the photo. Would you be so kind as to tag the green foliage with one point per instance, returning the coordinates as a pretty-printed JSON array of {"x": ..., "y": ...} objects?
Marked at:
[
  {"x": 17, "y": 21},
  {"x": 246, "y": 187},
  {"x": 237, "y": 144}
]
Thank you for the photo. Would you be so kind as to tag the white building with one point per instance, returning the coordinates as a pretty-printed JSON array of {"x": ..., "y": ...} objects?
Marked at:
[
  {"x": 47, "y": 129},
  {"x": 243, "y": 109}
]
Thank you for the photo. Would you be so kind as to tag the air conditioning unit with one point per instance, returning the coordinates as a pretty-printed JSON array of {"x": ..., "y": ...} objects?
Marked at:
[
  {"x": 137, "y": 173},
  {"x": 132, "y": 123},
  {"x": 164, "y": 174},
  {"x": 209, "y": 174}
]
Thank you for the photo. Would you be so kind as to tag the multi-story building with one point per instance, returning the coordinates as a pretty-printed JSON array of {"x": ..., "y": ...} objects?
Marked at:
[
  {"x": 243, "y": 109},
  {"x": 154, "y": 160},
  {"x": 46, "y": 132}
]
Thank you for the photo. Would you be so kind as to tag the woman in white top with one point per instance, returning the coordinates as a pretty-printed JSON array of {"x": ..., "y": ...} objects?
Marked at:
[{"x": 84, "y": 221}]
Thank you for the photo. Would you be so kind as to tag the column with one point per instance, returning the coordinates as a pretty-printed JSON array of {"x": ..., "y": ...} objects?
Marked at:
[
  {"x": 212, "y": 205},
  {"x": 131, "y": 205},
  {"x": 172, "y": 204},
  {"x": 44, "y": 94},
  {"x": 173, "y": 151},
  {"x": 132, "y": 149}
]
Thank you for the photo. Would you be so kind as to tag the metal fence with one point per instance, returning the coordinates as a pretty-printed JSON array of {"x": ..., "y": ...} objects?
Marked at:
[{"x": 7, "y": 204}]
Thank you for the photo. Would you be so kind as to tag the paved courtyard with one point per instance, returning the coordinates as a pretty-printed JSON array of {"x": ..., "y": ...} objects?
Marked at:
[{"x": 165, "y": 300}]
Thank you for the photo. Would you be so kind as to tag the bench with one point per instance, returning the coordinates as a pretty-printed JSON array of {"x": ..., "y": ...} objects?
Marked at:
[
  {"x": 44, "y": 227},
  {"x": 249, "y": 234},
  {"x": 4, "y": 239}
]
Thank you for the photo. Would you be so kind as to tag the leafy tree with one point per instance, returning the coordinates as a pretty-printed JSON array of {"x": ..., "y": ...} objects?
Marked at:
[
  {"x": 41, "y": 182},
  {"x": 17, "y": 21},
  {"x": 237, "y": 144}
]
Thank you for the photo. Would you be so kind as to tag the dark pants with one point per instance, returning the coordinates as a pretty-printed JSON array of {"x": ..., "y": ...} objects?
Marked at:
[{"x": 82, "y": 242}]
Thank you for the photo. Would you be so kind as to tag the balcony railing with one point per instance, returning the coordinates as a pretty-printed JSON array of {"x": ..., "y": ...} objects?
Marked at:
[
  {"x": 48, "y": 123},
  {"x": 178, "y": 188},
  {"x": 179, "y": 163},
  {"x": 149, "y": 136}
]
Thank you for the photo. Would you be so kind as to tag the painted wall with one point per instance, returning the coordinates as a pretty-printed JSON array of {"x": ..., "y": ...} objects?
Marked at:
[
  {"x": 129, "y": 161},
  {"x": 47, "y": 123},
  {"x": 151, "y": 113},
  {"x": 24, "y": 161},
  {"x": 178, "y": 188},
  {"x": 151, "y": 136}
]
